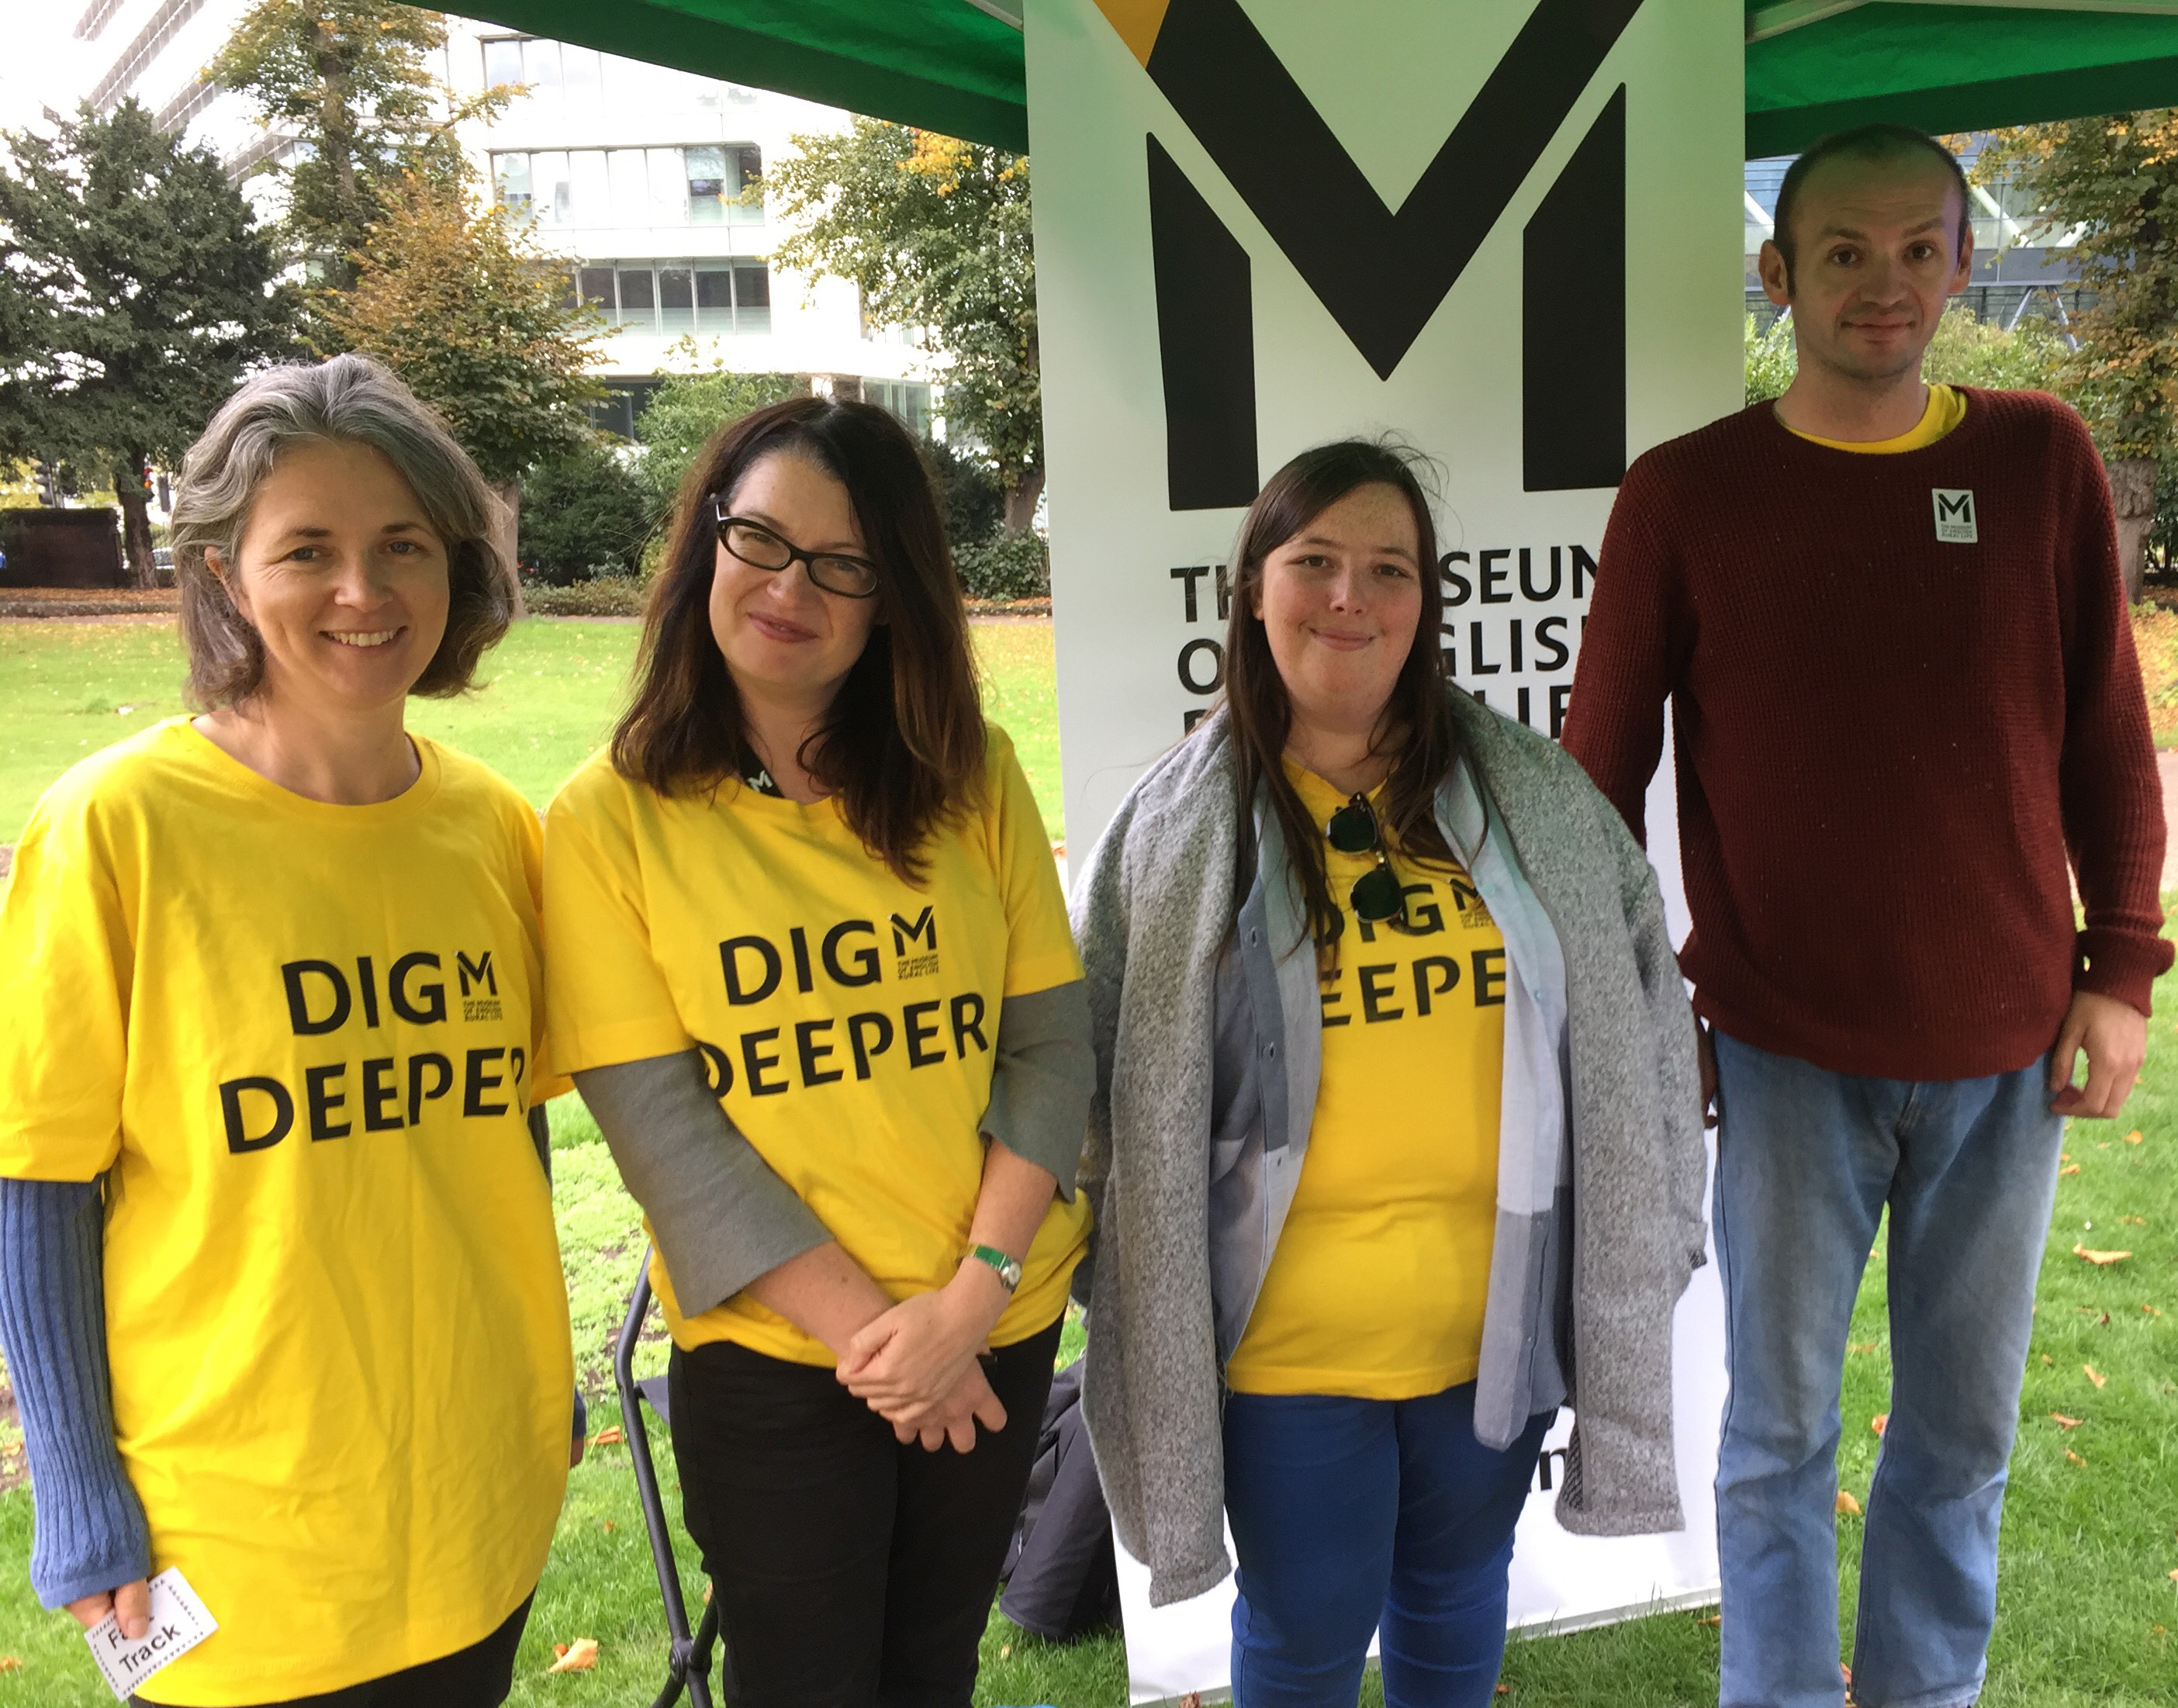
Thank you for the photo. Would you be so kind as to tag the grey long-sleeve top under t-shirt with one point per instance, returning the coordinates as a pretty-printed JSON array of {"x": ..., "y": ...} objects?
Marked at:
[{"x": 719, "y": 1214}]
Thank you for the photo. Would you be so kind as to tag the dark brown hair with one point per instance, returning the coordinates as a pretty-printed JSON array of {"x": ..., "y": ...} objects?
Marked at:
[
  {"x": 1416, "y": 718},
  {"x": 902, "y": 747},
  {"x": 1865, "y": 142},
  {"x": 350, "y": 400}
]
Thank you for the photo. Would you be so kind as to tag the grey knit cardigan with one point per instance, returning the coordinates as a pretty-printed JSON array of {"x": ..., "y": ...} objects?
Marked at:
[{"x": 1153, "y": 911}]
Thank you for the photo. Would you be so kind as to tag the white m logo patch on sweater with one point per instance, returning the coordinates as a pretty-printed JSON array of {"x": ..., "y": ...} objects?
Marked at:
[{"x": 1955, "y": 516}]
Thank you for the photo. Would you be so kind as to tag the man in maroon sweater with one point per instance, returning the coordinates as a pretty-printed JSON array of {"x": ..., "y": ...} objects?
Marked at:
[{"x": 1889, "y": 620}]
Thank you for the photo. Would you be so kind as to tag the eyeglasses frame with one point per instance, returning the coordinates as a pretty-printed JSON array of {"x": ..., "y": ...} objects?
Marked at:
[{"x": 795, "y": 554}]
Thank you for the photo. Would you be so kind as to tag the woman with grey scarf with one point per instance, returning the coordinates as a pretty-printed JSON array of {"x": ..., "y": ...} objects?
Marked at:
[{"x": 1397, "y": 1144}]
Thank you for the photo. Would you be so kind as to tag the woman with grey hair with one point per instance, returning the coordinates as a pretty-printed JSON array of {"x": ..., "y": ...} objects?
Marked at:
[
  {"x": 1396, "y": 1140},
  {"x": 279, "y": 1286}
]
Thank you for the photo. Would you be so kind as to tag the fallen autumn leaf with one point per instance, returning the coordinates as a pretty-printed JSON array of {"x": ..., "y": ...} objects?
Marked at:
[
  {"x": 1879, "y": 1422},
  {"x": 2070, "y": 1169},
  {"x": 2065, "y": 1422},
  {"x": 10, "y": 1663},
  {"x": 2074, "y": 1457},
  {"x": 2100, "y": 1259},
  {"x": 2095, "y": 1375},
  {"x": 1847, "y": 1505},
  {"x": 609, "y": 1437},
  {"x": 2133, "y": 1137},
  {"x": 580, "y": 1655}
]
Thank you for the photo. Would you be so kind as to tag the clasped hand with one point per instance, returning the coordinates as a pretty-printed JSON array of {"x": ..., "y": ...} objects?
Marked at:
[{"x": 915, "y": 1365}]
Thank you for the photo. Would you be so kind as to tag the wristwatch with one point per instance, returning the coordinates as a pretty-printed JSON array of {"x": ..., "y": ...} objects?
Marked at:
[{"x": 1007, "y": 1269}]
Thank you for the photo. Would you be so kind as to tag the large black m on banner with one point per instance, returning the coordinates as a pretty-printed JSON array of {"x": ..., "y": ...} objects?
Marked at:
[{"x": 1381, "y": 274}]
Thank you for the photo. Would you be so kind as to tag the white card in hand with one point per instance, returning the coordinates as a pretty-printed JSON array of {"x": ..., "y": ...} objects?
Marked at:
[{"x": 179, "y": 1623}]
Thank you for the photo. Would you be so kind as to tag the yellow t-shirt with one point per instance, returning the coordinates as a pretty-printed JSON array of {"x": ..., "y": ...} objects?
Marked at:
[
  {"x": 847, "y": 1018},
  {"x": 300, "y": 1040},
  {"x": 1376, "y": 1288},
  {"x": 1946, "y": 408}
]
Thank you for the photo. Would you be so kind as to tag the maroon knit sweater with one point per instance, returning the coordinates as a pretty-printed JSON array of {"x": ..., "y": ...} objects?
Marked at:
[{"x": 1887, "y": 744}]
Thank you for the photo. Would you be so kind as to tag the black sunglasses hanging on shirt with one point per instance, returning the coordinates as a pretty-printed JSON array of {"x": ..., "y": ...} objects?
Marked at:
[{"x": 1375, "y": 895}]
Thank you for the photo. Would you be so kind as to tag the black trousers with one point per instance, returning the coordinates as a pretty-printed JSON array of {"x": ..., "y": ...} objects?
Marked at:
[
  {"x": 850, "y": 1571},
  {"x": 477, "y": 1676}
]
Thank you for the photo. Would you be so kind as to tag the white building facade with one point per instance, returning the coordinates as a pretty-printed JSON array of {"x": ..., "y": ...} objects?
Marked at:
[{"x": 647, "y": 182}]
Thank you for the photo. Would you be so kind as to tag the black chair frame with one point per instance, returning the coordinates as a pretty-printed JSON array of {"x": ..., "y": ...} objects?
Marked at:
[{"x": 688, "y": 1665}]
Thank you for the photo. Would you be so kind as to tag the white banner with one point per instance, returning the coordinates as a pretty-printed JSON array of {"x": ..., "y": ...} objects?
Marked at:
[{"x": 1508, "y": 234}]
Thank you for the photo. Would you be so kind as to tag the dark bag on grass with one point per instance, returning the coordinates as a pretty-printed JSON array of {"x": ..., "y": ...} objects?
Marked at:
[{"x": 1061, "y": 1580}]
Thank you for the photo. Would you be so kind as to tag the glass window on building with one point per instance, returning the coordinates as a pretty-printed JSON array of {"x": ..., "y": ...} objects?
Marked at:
[
  {"x": 594, "y": 286},
  {"x": 582, "y": 76},
  {"x": 907, "y": 400},
  {"x": 548, "y": 184},
  {"x": 751, "y": 296},
  {"x": 744, "y": 174},
  {"x": 707, "y": 186},
  {"x": 502, "y": 60},
  {"x": 677, "y": 300},
  {"x": 592, "y": 186},
  {"x": 714, "y": 299},
  {"x": 669, "y": 187},
  {"x": 511, "y": 173},
  {"x": 630, "y": 187},
  {"x": 638, "y": 297},
  {"x": 540, "y": 67}
]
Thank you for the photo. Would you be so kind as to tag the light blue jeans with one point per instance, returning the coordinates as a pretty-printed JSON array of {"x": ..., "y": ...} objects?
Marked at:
[{"x": 1807, "y": 1159}]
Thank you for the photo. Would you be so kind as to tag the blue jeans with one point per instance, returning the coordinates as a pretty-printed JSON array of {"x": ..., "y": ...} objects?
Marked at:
[
  {"x": 1806, "y": 1161},
  {"x": 1353, "y": 1516}
]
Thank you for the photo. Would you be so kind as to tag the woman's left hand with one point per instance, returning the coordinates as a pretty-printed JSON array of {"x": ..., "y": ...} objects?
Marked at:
[{"x": 914, "y": 1355}]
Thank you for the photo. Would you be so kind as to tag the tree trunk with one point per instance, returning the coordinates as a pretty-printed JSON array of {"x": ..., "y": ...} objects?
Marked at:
[
  {"x": 135, "y": 524},
  {"x": 1021, "y": 500},
  {"x": 507, "y": 537},
  {"x": 2133, "y": 492}
]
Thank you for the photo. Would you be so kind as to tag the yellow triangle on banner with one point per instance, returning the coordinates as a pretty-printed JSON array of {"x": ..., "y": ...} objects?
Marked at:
[{"x": 1137, "y": 21}]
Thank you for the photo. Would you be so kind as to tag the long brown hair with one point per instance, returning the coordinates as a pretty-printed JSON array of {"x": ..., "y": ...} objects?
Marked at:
[
  {"x": 1417, "y": 716},
  {"x": 902, "y": 746}
]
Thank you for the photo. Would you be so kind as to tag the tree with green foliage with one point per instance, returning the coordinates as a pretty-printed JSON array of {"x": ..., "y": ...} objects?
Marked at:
[
  {"x": 585, "y": 514},
  {"x": 682, "y": 416},
  {"x": 138, "y": 290},
  {"x": 2113, "y": 184},
  {"x": 2030, "y": 356},
  {"x": 476, "y": 322},
  {"x": 350, "y": 80},
  {"x": 935, "y": 233}
]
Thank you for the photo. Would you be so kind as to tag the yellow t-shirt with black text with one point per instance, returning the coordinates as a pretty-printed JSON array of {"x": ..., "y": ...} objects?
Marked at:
[
  {"x": 847, "y": 1018},
  {"x": 300, "y": 1040},
  {"x": 1376, "y": 1288}
]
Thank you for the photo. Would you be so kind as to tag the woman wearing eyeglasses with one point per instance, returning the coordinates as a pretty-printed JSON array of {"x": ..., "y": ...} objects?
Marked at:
[
  {"x": 1397, "y": 1139},
  {"x": 818, "y": 986}
]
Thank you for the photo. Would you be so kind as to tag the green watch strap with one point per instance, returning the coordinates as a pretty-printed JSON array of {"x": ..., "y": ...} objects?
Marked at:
[{"x": 1007, "y": 1269}]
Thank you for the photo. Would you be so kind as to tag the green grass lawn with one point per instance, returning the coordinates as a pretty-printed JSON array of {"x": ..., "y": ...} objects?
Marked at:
[
  {"x": 551, "y": 691},
  {"x": 2087, "y": 1603}
]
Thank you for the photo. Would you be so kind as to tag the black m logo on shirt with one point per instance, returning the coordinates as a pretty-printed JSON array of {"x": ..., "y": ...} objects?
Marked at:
[{"x": 1382, "y": 274}]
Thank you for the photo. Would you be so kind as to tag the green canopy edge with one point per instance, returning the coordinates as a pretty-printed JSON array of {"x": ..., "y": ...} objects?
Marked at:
[{"x": 950, "y": 66}]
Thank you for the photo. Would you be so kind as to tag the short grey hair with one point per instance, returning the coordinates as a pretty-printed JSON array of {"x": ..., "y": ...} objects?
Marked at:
[{"x": 352, "y": 400}]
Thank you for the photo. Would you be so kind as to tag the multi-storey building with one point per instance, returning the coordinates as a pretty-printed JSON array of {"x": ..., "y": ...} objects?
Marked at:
[{"x": 647, "y": 182}]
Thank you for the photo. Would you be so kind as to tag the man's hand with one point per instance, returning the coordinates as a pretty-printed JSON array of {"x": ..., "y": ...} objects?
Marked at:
[
  {"x": 2115, "y": 1036},
  {"x": 131, "y": 1601},
  {"x": 1706, "y": 1055}
]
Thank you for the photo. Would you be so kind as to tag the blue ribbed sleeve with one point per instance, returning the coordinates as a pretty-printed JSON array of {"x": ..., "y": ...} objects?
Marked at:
[{"x": 90, "y": 1530}]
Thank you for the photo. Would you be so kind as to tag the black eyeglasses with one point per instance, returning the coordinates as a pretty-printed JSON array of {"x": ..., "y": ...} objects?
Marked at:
[
  {"x": 1375, "y": 895},
  {"x": 760, "y": 548}
]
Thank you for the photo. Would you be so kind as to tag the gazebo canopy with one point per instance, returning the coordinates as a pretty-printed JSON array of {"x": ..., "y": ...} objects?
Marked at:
[{"x": 1813, "y": 66}]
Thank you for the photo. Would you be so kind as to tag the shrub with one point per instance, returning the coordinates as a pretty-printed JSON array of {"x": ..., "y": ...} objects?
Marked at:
[
  {"x": 968, "y": 492},
  {"x": 1007, "y": 566},
  {"x": 601, "y": 595},
  {"x": 583, "y": 516}
]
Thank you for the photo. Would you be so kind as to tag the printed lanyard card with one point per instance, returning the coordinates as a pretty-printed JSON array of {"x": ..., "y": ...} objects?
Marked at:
[{"x": 179, "y": 1623}]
